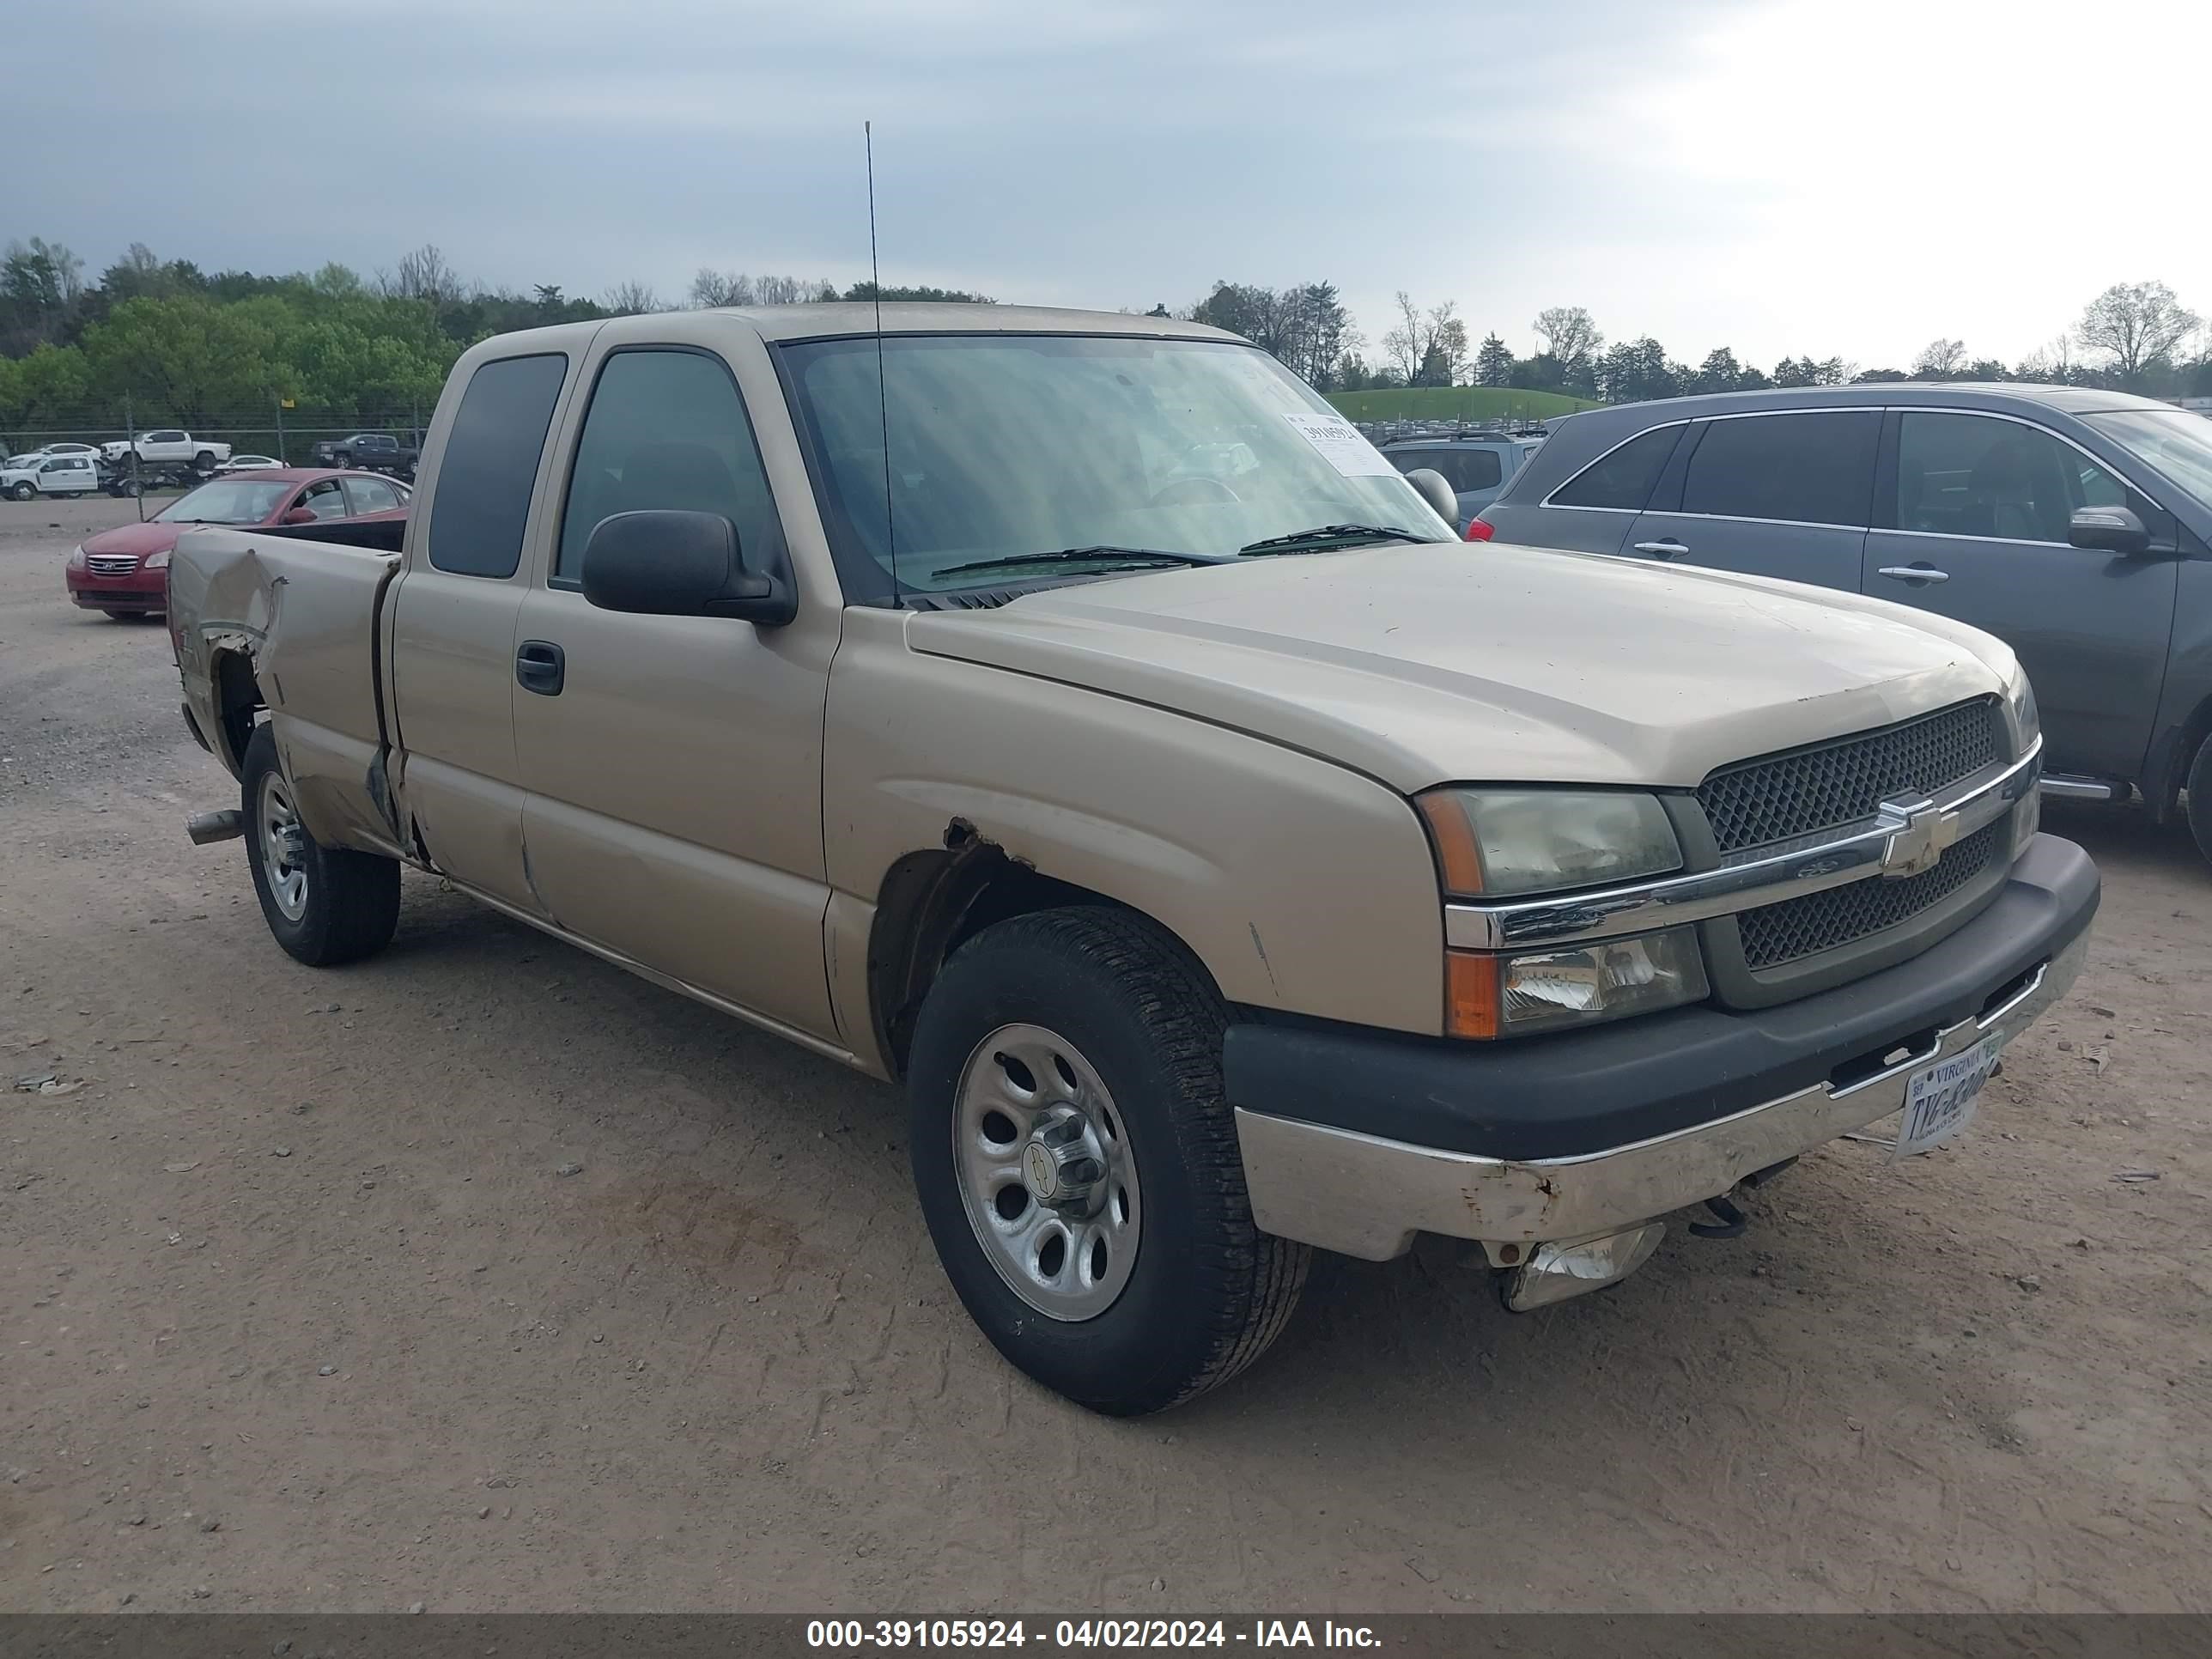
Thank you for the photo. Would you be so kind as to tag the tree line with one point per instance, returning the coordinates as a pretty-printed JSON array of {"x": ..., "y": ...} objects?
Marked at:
[
  {"x": 170, "y": 343},
  {"x": 162, "y": 342},
  {"x": 2134, "y": 337}
]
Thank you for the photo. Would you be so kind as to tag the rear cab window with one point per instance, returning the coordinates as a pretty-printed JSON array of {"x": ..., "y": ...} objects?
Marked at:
[{"x": 490, "y": 465}]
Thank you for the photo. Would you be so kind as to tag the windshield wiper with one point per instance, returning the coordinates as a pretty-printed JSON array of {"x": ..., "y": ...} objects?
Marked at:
[
  {"x": 1082, "y": 555},
  {"x": 1324, "y": 535}
]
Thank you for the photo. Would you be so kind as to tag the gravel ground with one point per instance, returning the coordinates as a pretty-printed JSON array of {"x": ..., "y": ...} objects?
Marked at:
[{"x": 298, "y": 1309}]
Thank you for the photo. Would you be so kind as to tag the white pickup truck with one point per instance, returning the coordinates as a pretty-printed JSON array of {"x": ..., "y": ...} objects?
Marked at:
[
  {"x": 1228, "y": 861},
  {"x": 165, "y": 446}
]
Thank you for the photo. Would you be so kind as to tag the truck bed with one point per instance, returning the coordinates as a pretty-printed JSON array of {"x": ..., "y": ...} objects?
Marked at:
[{"x": 289, "y": 620}]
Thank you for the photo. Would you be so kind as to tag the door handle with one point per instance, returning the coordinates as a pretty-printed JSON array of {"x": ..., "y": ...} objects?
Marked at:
[
  {"x": 541, "y": 666},
  {"x": 1914, "y": 573},
  {"x": 1669, "y": 549}
]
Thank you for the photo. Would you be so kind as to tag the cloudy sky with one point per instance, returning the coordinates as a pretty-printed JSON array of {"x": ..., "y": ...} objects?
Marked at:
[{"x": 1831, "y": 176}]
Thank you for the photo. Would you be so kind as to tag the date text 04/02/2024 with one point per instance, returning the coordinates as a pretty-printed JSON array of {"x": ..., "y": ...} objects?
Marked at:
[{"x": 855, "y": 1635}]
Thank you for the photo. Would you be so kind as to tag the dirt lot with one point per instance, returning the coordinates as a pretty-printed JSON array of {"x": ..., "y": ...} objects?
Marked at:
[{"x": 301, "y": 1312}]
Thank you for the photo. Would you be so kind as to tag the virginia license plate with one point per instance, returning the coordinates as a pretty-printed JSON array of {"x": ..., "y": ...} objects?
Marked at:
[{"x": 1939, "y": 1099}]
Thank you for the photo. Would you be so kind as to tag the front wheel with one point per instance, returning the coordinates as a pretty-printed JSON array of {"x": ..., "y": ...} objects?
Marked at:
[
  {"x": 21, "y": 492},
  {"x": 1078, "y": 1167},
  {"x": 325, "y": 905},
  {"x": 2200, "y": 797}
]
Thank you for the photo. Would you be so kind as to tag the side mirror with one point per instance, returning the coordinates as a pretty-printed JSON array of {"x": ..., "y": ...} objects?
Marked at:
[
  {"x": 663, "y": 563},
  {"x": 298, "y": 515},
  {"x": 1436, "y": 490},
  {"x": 2109, "y": 530}
]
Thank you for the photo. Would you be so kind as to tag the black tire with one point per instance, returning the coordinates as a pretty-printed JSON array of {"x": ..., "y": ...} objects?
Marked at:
[
  {"x": 1208, "y": 1291},
  {"x": 2200, "y": 797},
  {"x": 21, "y": 492},
  {"x": 350, "y": 902},
  {"x": 204, "y": 463}
]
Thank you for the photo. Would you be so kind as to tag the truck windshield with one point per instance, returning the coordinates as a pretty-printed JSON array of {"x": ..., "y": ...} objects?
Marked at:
[
  {"x": 2175, "y": 441},
  {"x": 1001, "y": 445},
  {"x": 227, "y": 500}
]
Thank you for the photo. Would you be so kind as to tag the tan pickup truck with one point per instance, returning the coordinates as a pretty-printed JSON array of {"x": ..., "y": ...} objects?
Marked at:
[{"x": 1070, "y": 717}]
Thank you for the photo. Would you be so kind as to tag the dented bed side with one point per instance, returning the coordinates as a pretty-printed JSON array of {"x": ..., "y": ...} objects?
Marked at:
[{"x": 293, "y": 626}]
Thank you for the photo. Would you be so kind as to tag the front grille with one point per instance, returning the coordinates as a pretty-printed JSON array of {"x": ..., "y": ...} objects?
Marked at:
[
  {"x": 1775, "y": 934},
  {"x": 1843, "y": 782},
  {"x": 111, "y": 564}
]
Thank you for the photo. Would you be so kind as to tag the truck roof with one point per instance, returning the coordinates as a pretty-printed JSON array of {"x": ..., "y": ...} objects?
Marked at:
[{"x": 843, "y": 319}]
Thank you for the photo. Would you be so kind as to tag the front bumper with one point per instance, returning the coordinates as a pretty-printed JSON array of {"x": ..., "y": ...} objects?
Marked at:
[
  {"x": 1575, "y": 1136},
  {"x": 137, "y": 590}
]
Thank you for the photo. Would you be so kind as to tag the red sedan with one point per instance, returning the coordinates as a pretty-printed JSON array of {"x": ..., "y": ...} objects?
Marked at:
[{"x": 126, "y": 571}]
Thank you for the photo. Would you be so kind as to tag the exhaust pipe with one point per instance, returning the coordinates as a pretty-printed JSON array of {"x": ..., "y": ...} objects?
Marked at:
[{"x": 226, "y": 825}]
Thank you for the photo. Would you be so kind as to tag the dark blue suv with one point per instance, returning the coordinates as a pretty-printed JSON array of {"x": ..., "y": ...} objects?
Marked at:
[{"x": 2074, "y": 525}]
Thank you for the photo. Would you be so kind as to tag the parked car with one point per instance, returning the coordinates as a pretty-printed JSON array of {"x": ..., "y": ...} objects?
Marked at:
[
  {"x": 126, "y": 571},
  {"x": 22, "y": 477},
  {"x": 248, "y": 464},
  {"x": 379, "y": 452},
  {"x": 1226, "y": 868},
  {"x": 166, "y": 447},
  {"x": 2075, "y": 525},
  {"x": 1476, "y": 465}
]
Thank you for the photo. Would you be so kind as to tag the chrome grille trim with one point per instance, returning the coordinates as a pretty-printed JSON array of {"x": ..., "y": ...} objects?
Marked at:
[
  {"x": 1857, "y": 853},
  {"x": 1819, "y": 789},
  {"x": 111, "y": 564},
  {"x": 1812, "y": 924}
]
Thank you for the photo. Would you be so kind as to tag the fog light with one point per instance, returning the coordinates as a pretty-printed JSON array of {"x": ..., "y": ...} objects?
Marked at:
[{"x": 1556, "y": 1271}]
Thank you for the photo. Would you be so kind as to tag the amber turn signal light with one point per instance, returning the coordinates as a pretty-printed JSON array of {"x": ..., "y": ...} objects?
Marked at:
[{"x": 1471, "y": 999}]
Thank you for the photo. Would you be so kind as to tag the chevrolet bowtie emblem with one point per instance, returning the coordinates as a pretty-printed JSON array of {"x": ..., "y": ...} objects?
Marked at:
[{"x": 1919, "y": 844}]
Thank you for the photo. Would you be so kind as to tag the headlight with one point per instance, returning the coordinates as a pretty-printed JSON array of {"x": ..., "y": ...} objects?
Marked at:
[
  {"x": 1497, "y": 843},
  {"x": 2025, "y": 717},
  {"x": 76, "y": 557},
  {"x": 158, "y": 560},
  {"x": 1490, "y": 996}
]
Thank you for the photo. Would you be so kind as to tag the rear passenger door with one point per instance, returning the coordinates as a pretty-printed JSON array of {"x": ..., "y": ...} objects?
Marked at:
[
  {"x": 1971, "y": 521},
  {"x": 673, "y": 765},
  {"x": 1773, "y": 494},
  {"x": 453, "y": 627}
]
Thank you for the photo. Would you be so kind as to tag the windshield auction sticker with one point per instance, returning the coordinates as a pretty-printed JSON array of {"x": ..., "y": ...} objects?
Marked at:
[{"x": 1341, "y": 445}]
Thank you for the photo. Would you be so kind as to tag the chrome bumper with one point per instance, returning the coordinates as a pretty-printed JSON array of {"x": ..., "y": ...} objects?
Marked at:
[{"x": 1368, "y": 1197}]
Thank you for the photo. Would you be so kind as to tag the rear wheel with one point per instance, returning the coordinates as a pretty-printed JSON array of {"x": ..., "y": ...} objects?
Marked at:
[
  {"x": 324, "y": 905},
  {"x": 1078, "y": 1166},
  {"x": 2200, "y": 797}
]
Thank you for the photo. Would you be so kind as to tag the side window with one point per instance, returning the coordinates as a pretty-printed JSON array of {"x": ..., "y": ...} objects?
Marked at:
[
  {"x": 369, "y": 496},
  {"x": 1803, "y": 468},
  {"x": 1465, "y": 470},
  {"x": 1967, "y": 475},
  {"x": 168, "y": 437},
  {"x": 325, "y": 500},
  {"x": 666, "y": 430},
  {"x": 490, "y": 462},
  {"x": 1623, "y": 478}
]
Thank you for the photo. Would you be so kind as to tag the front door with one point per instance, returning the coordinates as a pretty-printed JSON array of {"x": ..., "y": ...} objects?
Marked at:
[
  {"x": 1776, "y": 494},
  {"x": 673, "y": 765},
  {"x": 1970, "y": 521}
]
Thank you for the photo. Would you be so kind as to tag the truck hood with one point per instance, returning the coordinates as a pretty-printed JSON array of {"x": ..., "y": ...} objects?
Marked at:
[{"x": 1452, "y": 663}]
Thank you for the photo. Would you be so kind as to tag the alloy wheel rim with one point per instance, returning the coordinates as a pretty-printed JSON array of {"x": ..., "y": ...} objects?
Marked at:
[
  {"x": 284, "y": 850},
  {"x": 1046, "y": 1173}
]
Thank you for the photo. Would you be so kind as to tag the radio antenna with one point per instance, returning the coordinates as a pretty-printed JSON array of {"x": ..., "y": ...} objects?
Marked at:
[{"x": 883, "y": 397}]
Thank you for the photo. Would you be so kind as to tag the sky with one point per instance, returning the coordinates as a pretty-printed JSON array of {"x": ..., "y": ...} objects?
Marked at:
[{"x": 1782, "y": 177}]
